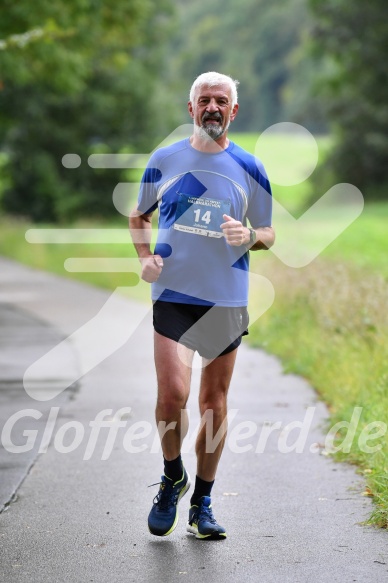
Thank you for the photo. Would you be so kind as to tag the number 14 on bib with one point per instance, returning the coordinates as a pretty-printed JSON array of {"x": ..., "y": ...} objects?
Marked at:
[{"x": 200, "y": 216}]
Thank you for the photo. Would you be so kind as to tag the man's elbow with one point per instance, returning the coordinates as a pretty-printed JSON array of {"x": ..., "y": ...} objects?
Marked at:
[{"x": 137, "y": 218}]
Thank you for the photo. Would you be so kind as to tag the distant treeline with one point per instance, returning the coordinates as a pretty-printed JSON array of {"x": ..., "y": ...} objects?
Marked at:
[{"x": 87, "y": 76}]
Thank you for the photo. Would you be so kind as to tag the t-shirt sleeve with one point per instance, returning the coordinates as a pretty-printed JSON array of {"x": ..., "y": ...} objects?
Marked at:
[
  {"x": 147, "y": 200},
  {"x": 259, "y": 210}
]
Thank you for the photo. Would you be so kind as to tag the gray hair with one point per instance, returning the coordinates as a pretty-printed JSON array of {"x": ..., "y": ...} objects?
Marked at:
[{"x": 213, "y": 79}]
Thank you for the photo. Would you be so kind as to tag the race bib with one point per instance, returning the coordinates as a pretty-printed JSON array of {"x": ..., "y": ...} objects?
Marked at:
[{"x": 201, "y": 216}]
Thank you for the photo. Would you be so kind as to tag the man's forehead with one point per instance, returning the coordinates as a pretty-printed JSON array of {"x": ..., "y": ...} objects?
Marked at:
[{"x": 213, "y": 90}]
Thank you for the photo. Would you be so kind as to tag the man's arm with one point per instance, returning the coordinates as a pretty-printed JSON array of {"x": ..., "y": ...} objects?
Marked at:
[
  {"x": 140, "y": 227},
  {"x": 265, "y": 238},
  {"x": 236, "y": 234}
]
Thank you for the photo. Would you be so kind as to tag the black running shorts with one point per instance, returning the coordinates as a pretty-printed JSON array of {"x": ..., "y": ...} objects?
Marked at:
[{"x": 211, "y": 331}]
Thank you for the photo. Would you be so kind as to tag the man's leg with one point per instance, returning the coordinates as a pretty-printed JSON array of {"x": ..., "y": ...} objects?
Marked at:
[
  {"x": 173, "y": 378},
  {"x": 215, "y": 381}
]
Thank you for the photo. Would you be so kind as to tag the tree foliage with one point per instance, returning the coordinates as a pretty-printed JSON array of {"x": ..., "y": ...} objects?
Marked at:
[
  {"x": 259, "y": 43},
  {"x": 84, "y": 76},
  {"x": 353, "y": 36},
  {"x": 76, "y": 76}
]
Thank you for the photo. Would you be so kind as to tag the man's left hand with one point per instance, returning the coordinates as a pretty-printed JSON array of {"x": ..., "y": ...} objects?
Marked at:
[{"x": 234, "y": 232}]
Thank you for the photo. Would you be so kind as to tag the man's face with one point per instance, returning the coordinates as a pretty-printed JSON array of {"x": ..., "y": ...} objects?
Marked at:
[{"x": 212, "y": 110}]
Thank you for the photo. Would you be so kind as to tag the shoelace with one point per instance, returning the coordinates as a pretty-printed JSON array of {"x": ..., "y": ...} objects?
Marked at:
[
  {"x": 205, "y": 512},
  {"x": 166, "y": 496}
]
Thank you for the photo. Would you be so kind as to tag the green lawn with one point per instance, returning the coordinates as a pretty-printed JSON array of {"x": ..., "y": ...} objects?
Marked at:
[
  {"x": 365, "y": 242},
  {"x": 289, "y": 154},
  {"x": 329, "y": 321}
]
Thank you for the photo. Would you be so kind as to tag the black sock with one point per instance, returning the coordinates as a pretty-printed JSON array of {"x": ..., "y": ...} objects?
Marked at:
[
  {"x": 173, "y": 469},
  {"x": 202, "y": 488}
]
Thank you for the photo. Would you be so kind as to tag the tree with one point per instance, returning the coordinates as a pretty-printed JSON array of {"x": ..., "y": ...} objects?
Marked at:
[
  {"x": 353, "y": 37},
  {"x": 79, "y": 76},
  {"x": 257, "y": 42}
]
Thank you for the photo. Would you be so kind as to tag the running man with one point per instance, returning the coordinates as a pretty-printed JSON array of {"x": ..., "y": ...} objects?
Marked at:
[{"x": 206, "y": 189}]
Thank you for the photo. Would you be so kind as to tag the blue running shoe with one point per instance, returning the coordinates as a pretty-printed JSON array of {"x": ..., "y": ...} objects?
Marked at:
[
  {"x": 202, "y": 522},
  {"x": 164, "y": 516}
]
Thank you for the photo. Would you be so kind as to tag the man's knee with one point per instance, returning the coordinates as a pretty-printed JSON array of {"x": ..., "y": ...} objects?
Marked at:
[
  {"x": 213, "y": 405},
  {"x": 170, "y": 404}
]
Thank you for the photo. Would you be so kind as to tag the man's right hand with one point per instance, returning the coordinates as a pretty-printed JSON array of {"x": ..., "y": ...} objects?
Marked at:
[{"x": 151, "y": 268}]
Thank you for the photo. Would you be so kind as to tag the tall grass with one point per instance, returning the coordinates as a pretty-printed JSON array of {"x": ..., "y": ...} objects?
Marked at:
[{"x": 329, "y": 323}]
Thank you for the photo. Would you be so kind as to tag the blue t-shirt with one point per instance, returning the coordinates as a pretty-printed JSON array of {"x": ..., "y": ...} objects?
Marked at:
[{"x": 192, "y": 190}]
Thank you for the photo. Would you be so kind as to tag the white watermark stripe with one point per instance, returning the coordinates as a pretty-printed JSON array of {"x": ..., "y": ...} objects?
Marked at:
[
  {"x": 77, "y": 236},
  {"x": 102, "y": 264},
  {"x": 100, "y": 337},
  {"x": 244, "y": 436},
  {"x": 118, "y": 160}
]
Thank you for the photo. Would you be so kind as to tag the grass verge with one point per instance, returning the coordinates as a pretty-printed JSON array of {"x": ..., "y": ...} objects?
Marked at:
[{"x": 329, "y": 324}]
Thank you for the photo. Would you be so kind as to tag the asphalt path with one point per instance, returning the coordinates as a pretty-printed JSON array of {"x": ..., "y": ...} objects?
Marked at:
[{"x": 74, "y": 506}]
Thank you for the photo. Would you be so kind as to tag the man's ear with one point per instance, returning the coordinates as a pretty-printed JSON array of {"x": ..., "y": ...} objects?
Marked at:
[
  {"x": 234, "y": 112},
  {"x": 190, "y": 108}
]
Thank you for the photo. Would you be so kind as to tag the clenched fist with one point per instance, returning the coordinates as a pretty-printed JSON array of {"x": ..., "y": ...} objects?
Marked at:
[
  {"x": 151, "y": 268},
  {"x": 234, "y": 232}
]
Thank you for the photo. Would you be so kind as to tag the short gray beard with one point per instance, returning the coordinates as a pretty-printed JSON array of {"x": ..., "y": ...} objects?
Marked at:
[{"x": 212, "y": 131}]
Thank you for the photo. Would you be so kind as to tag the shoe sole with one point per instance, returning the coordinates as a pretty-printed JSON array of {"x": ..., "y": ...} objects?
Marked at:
[
  {"x": 211, "y": 536},
  {"x": 175, "y": 523}
]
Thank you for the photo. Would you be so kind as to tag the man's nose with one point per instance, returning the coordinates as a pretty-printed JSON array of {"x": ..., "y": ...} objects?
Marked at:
[{"x": 212, "y": 106}]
